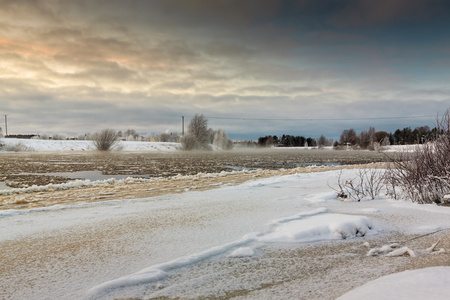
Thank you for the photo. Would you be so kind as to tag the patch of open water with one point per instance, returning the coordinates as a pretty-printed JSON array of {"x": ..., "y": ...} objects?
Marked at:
[
  {"x": 87, "y": 175},
  {"x": 82, "y": 175},
  {"x": 3, "y": 185},
  {"x": 98, "y": 175},
  {"x": 280, "y": 165}
]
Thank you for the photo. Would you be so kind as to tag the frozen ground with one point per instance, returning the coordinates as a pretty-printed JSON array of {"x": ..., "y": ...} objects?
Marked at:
[{"x": 284, "y": 237}]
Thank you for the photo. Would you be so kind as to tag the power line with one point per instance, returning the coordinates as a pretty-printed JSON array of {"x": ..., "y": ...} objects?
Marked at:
[{"x": 319, "y": 119}]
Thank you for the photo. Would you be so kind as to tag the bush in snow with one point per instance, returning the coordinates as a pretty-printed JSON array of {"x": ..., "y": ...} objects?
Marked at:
[
  {"x": 189, "y": 142},
  {"x": 169, "y": 137},
  {"x": 424, "y": 175},
  {"x": 43, "y": 136},
  {"x": 59, "y": 136},
  {"x": 83, "y": 137},
  {"x": 368, "y": 183},
  {"x": 17, "y": 147},
  {"x": 105, "y": 140}
]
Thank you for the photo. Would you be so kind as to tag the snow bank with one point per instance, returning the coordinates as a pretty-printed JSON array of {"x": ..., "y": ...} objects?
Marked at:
[
  {"x": 314, "y": 225},
  {"x": 76, "y": 145},
  {"x": 430, "y": 283},
  {"x": 317, "y": 225},
  {"x": 400, "y": 148}
]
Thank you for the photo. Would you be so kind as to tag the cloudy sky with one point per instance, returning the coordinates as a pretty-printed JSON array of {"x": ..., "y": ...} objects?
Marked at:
[{"x": 252, "y": 67}]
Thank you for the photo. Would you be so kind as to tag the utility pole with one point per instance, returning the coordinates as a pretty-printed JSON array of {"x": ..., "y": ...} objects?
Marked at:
[
  {"x": 6, "y": 125},
  {"x": 182, "y": 125}
]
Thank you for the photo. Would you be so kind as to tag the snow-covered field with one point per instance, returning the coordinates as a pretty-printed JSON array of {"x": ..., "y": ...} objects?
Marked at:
[
  {"x": 75, "y": 145},
  {"x": 214, "y": 243}
]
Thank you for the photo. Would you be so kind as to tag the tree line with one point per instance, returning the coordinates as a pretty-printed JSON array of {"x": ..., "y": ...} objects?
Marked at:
[
  {"x": 367, "y": 139},
  {"x": 371, "y": 139},
  {"x": 287, "y": 140}
]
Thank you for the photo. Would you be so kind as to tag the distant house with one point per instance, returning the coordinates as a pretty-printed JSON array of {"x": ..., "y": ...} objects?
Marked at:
[{"x": 21, "y": 136}]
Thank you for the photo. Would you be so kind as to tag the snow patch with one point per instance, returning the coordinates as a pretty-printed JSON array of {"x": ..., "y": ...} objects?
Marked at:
[
  {"x": 243, "y": 252},
  {"x": 319, "y": 227},
  {"x": 371, "y": 210},
  {"x": 429, "y": 283},
  {"x": 402, "y": 251}
]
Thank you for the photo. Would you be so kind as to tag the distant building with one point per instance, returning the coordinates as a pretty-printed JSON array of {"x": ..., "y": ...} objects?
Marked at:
[{"x": 21, "y": 136}]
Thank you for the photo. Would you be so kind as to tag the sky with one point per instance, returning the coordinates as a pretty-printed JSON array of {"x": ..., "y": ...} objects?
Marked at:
[{"x": 252, "y": 68}]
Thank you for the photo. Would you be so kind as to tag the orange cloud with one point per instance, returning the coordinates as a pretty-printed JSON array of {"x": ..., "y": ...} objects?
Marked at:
[{"x": 27, "y": 49}]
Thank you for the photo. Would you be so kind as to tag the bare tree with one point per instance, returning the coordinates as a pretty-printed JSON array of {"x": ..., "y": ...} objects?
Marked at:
[
  {"x": 322, "y": 141},
  {"x": 348, "y": 137},
  {"x": 211, "y": 135},
  {"x": 131, "y": 135},
  {"x": 197, "y": 137},
  {"x": 222, "y": 141},
  {"x": 105, "y": 140},
  {"x": 164, "y": 137}
]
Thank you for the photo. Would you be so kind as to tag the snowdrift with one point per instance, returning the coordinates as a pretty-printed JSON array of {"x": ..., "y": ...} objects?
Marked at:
[{"x": 75, "y": 145}]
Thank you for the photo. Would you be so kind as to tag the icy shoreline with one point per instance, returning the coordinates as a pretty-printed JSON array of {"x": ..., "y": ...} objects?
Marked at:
[{"x": 173, "y": 241}]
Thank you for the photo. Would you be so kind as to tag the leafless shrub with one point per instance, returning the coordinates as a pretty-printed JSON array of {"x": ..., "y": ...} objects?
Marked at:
[
  {"x": 105, "y": 140},
  {"x": 166, "y": 137},
  {"x": 189, "y": 142},
  {"x": 368, "y": 183},
  {"x": 59, "y": 136},
  {"x": 424, "y": 175},
  {"x": 17, "y": 147}
]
